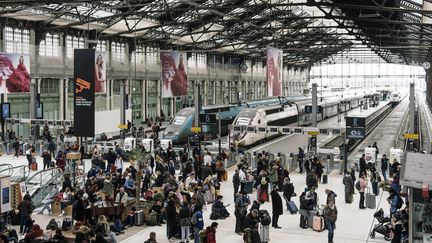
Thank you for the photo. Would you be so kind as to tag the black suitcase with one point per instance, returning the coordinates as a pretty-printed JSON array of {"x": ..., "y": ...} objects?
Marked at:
[
  {"x": 292, "y": 207},
  {"x": 249, "y": 187},
  {"x": 324, "y": 179}
]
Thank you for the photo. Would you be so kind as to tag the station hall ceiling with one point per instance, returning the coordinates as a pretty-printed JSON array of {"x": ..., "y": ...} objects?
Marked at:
[{"x": 308, "y": 31}]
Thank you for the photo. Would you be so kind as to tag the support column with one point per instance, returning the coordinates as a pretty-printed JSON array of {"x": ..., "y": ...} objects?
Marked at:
[
  {"x": 411, "y": 109},
  {"x": 61, "y": 99},
  {"x": 159, "y": 98},
  {"x": 197, "y": 103},
  {"x": 66, "y": 113},
  {"x": 108, "y": 94},
  {"x": 172, "y": 101},
  {"x": 314, "y": 105},
  {"x": 122, "y": 101},
  {"x": 111, "y": 90},
  {"x": 144, "y": 100},
  {"x": 205, "y": 84}
]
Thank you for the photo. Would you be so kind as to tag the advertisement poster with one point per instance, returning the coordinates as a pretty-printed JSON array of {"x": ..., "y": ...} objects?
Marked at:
[
  {"x": 174, "y": 74},
  {"x": 100, "y": 72},
  {"x": 14, "y": 73},
  {"x": 274, "y": 71},
  {"x": 84, "y": 95},
  {"x": 370, "y": 155}
]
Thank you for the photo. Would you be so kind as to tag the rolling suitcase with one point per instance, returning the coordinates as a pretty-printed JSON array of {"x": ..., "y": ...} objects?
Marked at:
[
  {"x": 139, "y": 218},
  {"x": 324, "y": 179},
  {"x": 318, "y": 223},
  {"x": 370, "y": 199},
  {"x": 310, "y": 218},
  {"x": 292, "y": 207}
]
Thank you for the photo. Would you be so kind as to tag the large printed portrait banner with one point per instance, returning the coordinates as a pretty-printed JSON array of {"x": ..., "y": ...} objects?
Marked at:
[
  {"x": 14, "y": 73},
  {"x": 84, "y": 95},
  {"x": 174, "y": 74},
  {"x": 100, "y": 72},
  {"x": 274, "y": 71}
]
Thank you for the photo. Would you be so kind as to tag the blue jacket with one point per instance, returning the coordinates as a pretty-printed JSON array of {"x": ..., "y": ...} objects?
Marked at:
[
  {"x": 129, "y": 184},
  {"x": 200, "y": 218}
]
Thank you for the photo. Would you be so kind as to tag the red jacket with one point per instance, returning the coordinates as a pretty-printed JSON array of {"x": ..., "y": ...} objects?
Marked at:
[{"x": 211, "y": 235}]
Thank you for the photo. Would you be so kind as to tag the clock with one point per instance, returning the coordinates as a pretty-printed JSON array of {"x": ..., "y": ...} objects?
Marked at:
[{"x": 426, "y": 65}]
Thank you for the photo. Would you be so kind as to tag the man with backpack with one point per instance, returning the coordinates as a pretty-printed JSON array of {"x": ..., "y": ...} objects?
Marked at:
[
  {"x": 197, "y": 221},
  {"x": 210, "y": 234},
  {"x": 264, "y": 229},
  {"x": 300, "y": 157}
]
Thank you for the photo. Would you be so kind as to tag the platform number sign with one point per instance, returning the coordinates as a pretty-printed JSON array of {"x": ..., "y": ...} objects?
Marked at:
[
  {"x": 355, "y": 133},
  {"x": 208, "y": 118}
]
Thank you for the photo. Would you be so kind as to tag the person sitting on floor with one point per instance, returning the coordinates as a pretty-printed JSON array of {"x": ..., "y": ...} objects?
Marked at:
[
  {"x": 35, "y": 233},
  {"x": 219, "y": 210},
  {"x": 130, "y": 186}
]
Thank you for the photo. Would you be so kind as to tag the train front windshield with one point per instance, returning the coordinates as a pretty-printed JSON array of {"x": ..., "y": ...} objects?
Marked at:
[{"x": 178, "y": 120}]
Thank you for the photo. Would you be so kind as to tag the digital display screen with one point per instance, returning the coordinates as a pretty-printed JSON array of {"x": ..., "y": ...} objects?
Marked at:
[
  {"x": 6, "y": 110},
  {"x": 285, "y": 130},
  {"x": 261, "y": 129}
]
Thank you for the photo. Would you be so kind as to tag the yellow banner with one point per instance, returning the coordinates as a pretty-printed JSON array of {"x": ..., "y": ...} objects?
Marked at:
[
  {"x": 122, "y": 126},
  {"x": 411, "y": 135},
  {"x": 196, "y": 129}
]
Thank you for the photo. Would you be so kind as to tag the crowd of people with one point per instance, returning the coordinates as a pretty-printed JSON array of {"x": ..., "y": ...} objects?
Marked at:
[{"x": 173, "y": 188}]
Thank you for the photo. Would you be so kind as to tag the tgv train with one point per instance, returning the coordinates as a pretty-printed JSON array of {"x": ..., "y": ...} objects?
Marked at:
[
  {"x": 291, "y": 114},
  {"x": 179, "y": 128},
  {"x": 395, "y": 97}
]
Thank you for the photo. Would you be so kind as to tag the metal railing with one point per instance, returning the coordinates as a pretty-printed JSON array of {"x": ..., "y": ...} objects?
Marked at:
[
  {"x": 17, "y": 173},
  {"x": 41, "y": 178}
]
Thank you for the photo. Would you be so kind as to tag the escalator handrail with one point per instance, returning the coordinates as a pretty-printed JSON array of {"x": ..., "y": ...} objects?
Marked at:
[
  {"x": 11, "y": 169},
  {"x": 52, "y": 170}
]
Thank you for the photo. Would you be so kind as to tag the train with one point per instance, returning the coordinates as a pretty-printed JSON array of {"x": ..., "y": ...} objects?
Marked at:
[
  {"x": 291, "y": 113},
  {"x": 395, "y": 97},
  {"x": 180, "y": 127}
]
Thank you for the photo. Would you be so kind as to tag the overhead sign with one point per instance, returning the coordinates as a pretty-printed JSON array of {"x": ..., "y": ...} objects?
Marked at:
[
  {"x": 355, "y": 133},
  {"x": 196, "y": 129},
  {"x": 411, "y": 135},
  {"x": 355, "y": 122},
  {"x": 313, "y": 133},
  {"x": 208, "y": 118}
]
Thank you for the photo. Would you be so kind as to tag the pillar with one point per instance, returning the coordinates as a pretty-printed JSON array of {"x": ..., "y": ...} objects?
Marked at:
[
  {"x": 61, "y": 99},
  {"x": 122, "y": 101},
  {"x": 159, "y": 97},
  {"x": 144, "y": 100}
]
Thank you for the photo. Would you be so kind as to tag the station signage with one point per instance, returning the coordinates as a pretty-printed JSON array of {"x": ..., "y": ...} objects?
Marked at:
[
  {"x": 355, "y": 133},
  {"x": 208, "y": 118},
  {"x": 411, "y": 136},
  {"x": 355, "y": 122},
  {"x": 196, "y": 129}
]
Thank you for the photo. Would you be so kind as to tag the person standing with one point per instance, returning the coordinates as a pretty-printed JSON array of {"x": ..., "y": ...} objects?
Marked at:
[
  {"x": 349, "y": 187},
  {"x": 300, "y": 157},
  {"x": 185, "y": 222},
  {"x": 363, "y": 185},
  {"x": 236, "y": 182},
  {"x": 330, "y": 214},
  {"x": 384, "y": 166},
  {"x": 26, "y": 208},
  {"x": 288, "y": 190},
  {"x": 362, "y": 163},
  {"x": 119, "y": 164},
  {"x": 171, "y": 219},
  {"x": 46, "y": 159},
  {"x": 211, "y": 232},
  {"x": 277, "y": 208},
  {"x": 199, "y": 222},
  {"x": 242, "y": 177},
  {"x": 29, "y": 156}
]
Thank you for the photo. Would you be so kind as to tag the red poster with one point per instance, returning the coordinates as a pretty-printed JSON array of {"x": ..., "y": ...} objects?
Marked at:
[
  {"x": 174, "y": 74},
  {"x": 274, "y": 71},
  {"x": 14, "y": 73}
]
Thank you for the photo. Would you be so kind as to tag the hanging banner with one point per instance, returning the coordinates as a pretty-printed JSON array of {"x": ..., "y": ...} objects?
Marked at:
[
  {"x": 14, "y": 73},
  {"x": 84, "y": 95},
  {"x": 274, "y": 71},
  {"x": 174, "y": 74},
  {"x": 100, "y": 72}
]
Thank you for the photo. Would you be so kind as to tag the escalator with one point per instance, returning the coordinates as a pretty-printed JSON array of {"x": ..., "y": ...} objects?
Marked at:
[
  {"x": 17, "y": 173},
  {"x": 41, "y": 184}
]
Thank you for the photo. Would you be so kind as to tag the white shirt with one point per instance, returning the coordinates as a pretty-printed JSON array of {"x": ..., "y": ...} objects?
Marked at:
[
  {"x": 119, "y": 163},
  {"x": 207, "y": 159},
  {"x": 242, "y": 176}
]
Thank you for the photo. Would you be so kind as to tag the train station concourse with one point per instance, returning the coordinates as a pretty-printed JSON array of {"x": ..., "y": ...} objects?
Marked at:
[{"x": 209, "y": 121}]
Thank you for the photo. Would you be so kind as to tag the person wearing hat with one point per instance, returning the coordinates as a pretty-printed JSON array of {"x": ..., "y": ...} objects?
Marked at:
[{"x": 384, "y": 166}]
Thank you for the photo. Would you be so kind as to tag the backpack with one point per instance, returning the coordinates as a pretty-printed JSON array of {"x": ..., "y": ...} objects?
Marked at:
[
  {"x": 399, "y": 203},
  {"x": 357, "y": 185},
  {"x": 265, "y": 219},
  {"x": 194, "y": 219},
  {"x": 203, "y": 236},
  {"x": 263, "y": 181}
]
